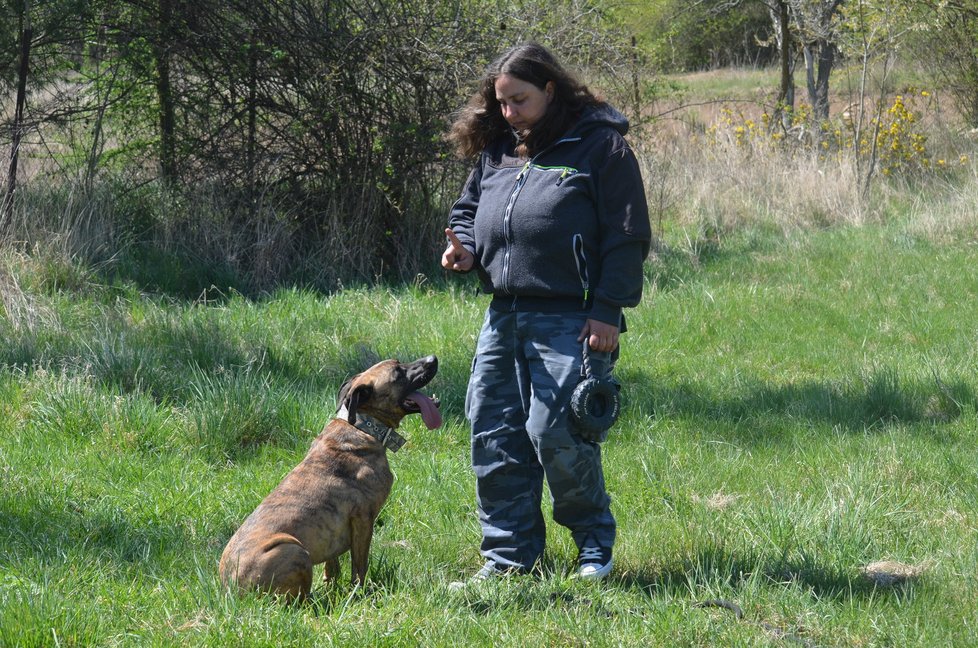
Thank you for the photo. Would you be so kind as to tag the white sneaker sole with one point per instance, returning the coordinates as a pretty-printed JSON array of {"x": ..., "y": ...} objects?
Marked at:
[{"x": 589, "y": 572}]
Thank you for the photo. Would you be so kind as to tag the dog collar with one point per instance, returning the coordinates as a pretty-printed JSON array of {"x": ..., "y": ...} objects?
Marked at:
[{"x": 386, "y": 435}]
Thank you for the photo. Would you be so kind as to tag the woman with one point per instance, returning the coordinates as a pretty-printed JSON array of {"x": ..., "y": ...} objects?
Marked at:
[{"x": 553, "y": 218}]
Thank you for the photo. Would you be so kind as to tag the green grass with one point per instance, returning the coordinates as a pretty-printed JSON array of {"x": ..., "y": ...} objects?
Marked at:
[
  {"x": 757, "y": 84},
  {"x": 796, "y": 408},
  {"x": 744, "y": 84}
]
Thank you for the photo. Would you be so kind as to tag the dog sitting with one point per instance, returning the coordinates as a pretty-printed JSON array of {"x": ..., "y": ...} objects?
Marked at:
[{"x": 327, "y": 504}]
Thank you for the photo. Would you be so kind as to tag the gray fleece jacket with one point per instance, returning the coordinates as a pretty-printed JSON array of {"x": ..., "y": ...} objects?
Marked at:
[{"x": 568, "y": 229}]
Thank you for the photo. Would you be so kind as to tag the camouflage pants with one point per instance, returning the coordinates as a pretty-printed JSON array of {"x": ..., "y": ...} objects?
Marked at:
[{"x": 518, "y": 402}]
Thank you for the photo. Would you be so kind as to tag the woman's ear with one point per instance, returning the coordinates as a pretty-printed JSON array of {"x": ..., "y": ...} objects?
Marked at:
[{"x": 550, "y": 90}]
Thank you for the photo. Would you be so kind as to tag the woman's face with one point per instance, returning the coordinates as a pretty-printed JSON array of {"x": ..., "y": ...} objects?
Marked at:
[{"x": 521, "y": 102}]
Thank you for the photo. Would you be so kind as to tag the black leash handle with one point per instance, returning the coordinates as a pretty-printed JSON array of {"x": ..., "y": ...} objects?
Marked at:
[{"x": 599, "y": 366}]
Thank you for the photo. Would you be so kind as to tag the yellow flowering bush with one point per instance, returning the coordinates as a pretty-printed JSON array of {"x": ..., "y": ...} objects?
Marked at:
[
  {"x": 894, "y": 140},
  {"x": 749, "y": 135},
  {"x": 899, "y": 145}
]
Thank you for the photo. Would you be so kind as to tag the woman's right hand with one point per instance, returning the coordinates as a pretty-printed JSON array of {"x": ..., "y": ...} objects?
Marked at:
[{"x": 456, "y": 257}]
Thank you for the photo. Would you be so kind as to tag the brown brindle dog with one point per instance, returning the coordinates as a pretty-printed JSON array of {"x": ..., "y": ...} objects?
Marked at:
[{"x": 328, "y": 503}]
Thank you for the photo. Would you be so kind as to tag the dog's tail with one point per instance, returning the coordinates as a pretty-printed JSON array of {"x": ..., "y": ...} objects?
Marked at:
[{"x": 277, "y": 539}]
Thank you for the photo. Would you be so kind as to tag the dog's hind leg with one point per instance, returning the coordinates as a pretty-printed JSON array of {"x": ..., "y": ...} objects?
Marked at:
[
  {"x": 331, "y": 569},
  {"x": 361, "y": 532},
  {"x": 285, "y": 567}
]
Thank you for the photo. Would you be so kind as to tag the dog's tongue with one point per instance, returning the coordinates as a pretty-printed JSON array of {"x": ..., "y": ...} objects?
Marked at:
[{"x": 429, "y": 411}]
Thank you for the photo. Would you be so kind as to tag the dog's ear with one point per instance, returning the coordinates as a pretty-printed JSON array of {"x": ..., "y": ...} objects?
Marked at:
[
  {"x": 354, "y": 398},
  {"x": 344, "y": 388}
]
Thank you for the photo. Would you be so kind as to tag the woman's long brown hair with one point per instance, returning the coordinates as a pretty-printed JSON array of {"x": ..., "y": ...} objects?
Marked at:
[{"x": 480, "y": 121}]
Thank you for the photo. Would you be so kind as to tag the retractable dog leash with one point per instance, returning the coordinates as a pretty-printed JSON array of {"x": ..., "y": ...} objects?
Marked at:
[{"x": 596, "y": 401}]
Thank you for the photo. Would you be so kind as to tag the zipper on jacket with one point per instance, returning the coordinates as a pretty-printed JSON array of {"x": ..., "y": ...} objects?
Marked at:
[
  {"x": 520, "y": 181},
  {"x": 507, "y": 222},
  {"x": 581, "y": 260}
]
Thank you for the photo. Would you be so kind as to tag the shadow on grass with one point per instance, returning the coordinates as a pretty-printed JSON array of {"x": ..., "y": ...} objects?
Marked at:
[
  {"x": 43, "y": 532},
  {"x": 670, "y": 268},
  {"x": 716, "y": 566},
  {"x": 867, "y": 402},
  {"x": 189, "y": 276},
  {"x": 710, "y": 570},
  {"x": 382, "y": 581},
  {"x": 184, "y": 278},
  {"x": 176, "y": 276}
]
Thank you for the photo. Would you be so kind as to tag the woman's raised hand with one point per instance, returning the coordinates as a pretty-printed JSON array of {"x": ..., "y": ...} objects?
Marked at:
[{"x": 456, "y": 257}]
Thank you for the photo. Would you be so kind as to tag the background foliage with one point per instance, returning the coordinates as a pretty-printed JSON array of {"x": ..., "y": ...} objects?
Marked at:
[
  {"x": 293, "y": 141},
  {"x": 284, "y": 138}
]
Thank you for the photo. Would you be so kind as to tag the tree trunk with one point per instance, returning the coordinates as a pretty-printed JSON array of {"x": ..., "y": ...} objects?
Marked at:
[
  {"x": 820, "y": 51},
  {"x": 786, "y": 92},
  {"x": 252, "y": 145},
  {"x": 971, "y": 104},
  {"x": 164, "y": 93},
  {"x": 810, "y": 56},
  {"x": 826, "y": 60},
  {"x": 104, "y": 98},
  {"x": 26, "y": 35},
  {"x": 636, "y": 89}
]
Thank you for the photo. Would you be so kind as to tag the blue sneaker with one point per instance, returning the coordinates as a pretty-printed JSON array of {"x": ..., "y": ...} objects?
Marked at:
[{"x": 593, "y": 562}]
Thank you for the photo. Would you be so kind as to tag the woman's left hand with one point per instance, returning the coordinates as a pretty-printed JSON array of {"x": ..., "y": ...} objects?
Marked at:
[{"x": 600, "y": 335}]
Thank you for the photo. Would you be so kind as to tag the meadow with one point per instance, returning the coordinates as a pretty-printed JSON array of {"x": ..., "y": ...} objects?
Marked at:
[
  {"x": 799, "y": 404},
  {"x": 795, "y": 410}
]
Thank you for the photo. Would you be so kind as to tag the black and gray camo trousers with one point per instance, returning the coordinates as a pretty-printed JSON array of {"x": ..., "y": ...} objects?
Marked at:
[{"x": 525, "y": 369}]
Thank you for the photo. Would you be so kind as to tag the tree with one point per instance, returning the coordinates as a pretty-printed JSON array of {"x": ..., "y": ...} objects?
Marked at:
[
  {"x": 163, "y": 40},
  {"x": 816, "y": 22},
  {"x": 780, "y": 13},
  {"x": 25, "y": 32},
  {"x": 320, "y": 122},
  {"x": 44, "y": 34},
  {"x": 335, "y": 110},
  {"x": 871, "y": 29},
  {"x": 680, "y": 35},
  {"x": 950, "y": 48},
  {"x": 812, "y": 24}
]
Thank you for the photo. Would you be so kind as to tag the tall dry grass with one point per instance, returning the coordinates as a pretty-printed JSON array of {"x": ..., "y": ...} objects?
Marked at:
[
  {"x": 22, "y": 309},
  {"x": 949, "y": 213},
  {"x": 121, "y": 227},
  {"x": 710, "y": 169},
  {"x": 734, "y": 172}
]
